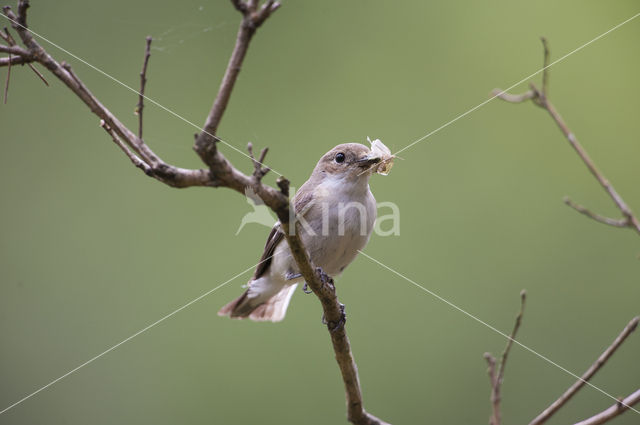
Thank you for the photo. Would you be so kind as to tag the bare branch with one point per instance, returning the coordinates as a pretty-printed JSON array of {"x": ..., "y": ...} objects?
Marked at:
[
  {"x": 15, "y": 60},
  {"x": 613, "y": 411},
  {"x": 540, "y": 98},
  {"x": 334, "y": 318},
  {"x": 632, "y": 221},
  {"x": 621, "y": 222},
  {"x": 588, "y": 374},
  {"x": 496, "y": 376},
  {"x": 240, "y": 5},
  {"x": 24, "y": 56},
  {"x": 6, "y": 83},
  {"x": 143, "y": 82},
  {"x": 134, "y": 159},
  {"x": 205, "y": 142},
  {"x": 266, "y": 10},
  {"x": 14, "y": 50},
  {"x": 258, "y": 171},
  {"x": 545, "y": 66},
  {"x": 495, "y": 402},
  {"x": 283, "y": 184},
  {"x": 512, "y": 98},
  {"x": 220, "y": 173},
  {"x": 514, "y": 332},
  {"x": 23, "y": 5}
]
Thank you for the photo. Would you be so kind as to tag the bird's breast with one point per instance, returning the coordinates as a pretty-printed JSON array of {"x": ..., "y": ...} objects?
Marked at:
[{"x": 335, "y": 232}]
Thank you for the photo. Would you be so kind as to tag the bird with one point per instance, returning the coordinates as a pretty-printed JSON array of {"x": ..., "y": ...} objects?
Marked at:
[{"x": 336, "y": 212}]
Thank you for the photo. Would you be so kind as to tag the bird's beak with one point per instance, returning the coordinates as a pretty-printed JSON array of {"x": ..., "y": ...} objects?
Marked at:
[{"x": 368, "y": 160}]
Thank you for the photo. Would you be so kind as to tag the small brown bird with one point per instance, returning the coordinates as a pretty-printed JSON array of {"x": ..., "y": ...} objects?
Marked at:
[{"x": 336, "y": 212}]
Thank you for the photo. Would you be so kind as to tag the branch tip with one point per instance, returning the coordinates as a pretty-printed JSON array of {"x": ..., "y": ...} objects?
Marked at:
[
  {"x": 258, "y": 171},
  {"x": 634, "y": 323},
  {"x": 283, "y": 184},
  {"x": 545, "y": 67},
  {"x": 240, "y": 5},
  {"x": 496, "y": 377},
  {"x": 23, "y": 5},
  {"x": 6, "y": 83},
  {"x": 621, "y": 222},
  {"x": 143, "y": 83}
]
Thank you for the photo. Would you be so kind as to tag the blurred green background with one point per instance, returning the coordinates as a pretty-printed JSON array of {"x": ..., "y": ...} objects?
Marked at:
[{"x": 93, "y": 251}]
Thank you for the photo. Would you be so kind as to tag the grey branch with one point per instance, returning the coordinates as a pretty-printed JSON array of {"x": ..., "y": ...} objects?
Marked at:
[
  {"x": 23, "y": 56},
  {"x": 496, "y": 376},
  {"x": 219, "y": 172},
  {"x": 258, "y": 170},
  {"x": 132, "y": 156},
  {"x": 15, "y": 60},
  {"x": 540, "y": 98},
  {"x": 588, "y": 374},
  {"x": 252, "y": 17},
  {"x": 143, "y": 83},
  {"x": 615, "y": 222},
  {"x": 14, "y": 50},
  {"x": 613, "y": 411},
  {"x": 8, "y": 80}
]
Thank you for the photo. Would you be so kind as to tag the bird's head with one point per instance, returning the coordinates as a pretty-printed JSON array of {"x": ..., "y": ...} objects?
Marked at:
[{"x": 351, "y": 162}]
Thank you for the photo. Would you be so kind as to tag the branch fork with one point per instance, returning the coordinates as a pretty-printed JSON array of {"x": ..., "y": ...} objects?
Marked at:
[
  {"x": 258, "y": 170},
  {"x": 540, "y": 98},
  {"x": 496, "y": 369},
  {"x": 496, "y": 375}
]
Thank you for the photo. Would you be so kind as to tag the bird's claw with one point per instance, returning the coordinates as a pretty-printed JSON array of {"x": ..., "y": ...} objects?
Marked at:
[
  {"x": 336, "y": 325},
  {"x": 305, "y": 289},
  {"x": 325, "y": 279}
]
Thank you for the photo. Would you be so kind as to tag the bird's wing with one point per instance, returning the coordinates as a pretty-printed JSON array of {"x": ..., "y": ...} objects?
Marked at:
[{"x": 276, "y": 236}]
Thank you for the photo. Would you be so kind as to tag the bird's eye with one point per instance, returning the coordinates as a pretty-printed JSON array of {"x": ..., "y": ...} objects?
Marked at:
[{"x": 340, "y": 158}]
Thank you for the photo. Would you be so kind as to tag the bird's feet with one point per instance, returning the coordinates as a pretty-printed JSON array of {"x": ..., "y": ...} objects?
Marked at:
[
  {"x": 325, "y": 279},
  {"x": 336, "y": 325}
]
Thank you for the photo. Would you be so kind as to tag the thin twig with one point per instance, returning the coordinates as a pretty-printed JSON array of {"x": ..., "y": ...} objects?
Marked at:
[
  {"x": 620, "y": 222},
  {"x": 6, "y": 83},
  {"x": 495, "y": 403},
  {"x": 496, "y": 375},
  {"x": 540, "y": 98},
  {"x": 588, "y": 374},
  {"x": 22, "y": 12},
  {"x": 613, "y": 411},
  {"x": 258, "y": 170},
  {"x": 38, "y": 73},
  {"x": 514, "y": 332},
  {"x": 25, "y": 55},
  {"x": 240, "y": 5},
  {"x": 143, "y": 83},
  {"x": 132, "y": 156},
  {"x": 251, "y": 21},
  {"x": 15, "y": 60},
  {"x": 15, "y": 50},
  {"x": 513, "y": 98},
  {"x": 632, "y": 221},
  {"x": 545, "y": 65}
]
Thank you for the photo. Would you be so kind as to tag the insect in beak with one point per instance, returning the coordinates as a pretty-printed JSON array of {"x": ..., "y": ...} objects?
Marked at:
[{"x": 367, "y": 161}]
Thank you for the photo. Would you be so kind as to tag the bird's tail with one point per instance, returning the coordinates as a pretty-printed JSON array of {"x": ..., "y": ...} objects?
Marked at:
[{"x": 258, "y": 308}]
